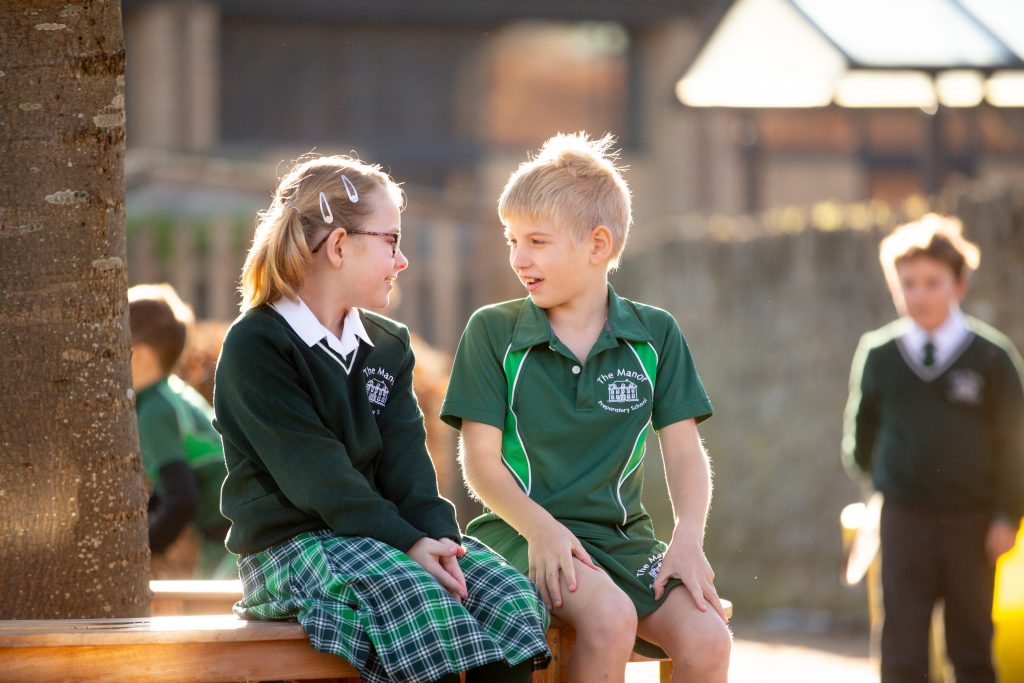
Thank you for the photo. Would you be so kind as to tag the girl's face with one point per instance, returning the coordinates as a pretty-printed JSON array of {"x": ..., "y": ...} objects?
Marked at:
[{"x": 372, "y": 262}]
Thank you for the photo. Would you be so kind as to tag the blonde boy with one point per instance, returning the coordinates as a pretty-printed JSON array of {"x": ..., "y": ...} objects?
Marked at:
[
  {"x": 934, "y": 418},
  {"x": 555, "y": 393}
]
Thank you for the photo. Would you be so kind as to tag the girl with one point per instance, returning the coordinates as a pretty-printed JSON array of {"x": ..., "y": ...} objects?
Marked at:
[{"x": 331, "y": 494}]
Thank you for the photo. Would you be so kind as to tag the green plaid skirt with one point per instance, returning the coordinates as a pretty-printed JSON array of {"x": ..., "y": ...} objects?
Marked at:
[{"x": 373, "y": 605}]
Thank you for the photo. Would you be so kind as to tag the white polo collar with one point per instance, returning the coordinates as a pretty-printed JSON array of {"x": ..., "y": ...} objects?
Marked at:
[{"x": 301, "y": 319}]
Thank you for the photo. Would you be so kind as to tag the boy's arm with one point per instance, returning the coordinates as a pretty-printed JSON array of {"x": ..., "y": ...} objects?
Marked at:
[
  {"x": 689, "y": 484},
  {"x": 175, "y": 507},
  {"x": 175, "y": 496},
  {"x": 860, "y": 424},
  {"x": 551, "y": 546}
]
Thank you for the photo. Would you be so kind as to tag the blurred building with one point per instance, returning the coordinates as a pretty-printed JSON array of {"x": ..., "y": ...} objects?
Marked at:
[{"x": 450, "y": 96}]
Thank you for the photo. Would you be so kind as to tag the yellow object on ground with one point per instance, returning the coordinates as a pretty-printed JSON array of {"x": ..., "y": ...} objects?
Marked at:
[{"x": 1008, "y": 614}]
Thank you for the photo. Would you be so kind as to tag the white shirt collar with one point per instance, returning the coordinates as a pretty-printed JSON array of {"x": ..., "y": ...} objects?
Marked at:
[
  {"x": 946, "y": 338},
  {"x": 301, "y": 319}
]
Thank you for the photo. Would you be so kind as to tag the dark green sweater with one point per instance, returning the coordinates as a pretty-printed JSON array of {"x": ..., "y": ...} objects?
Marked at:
[
  {"x": 306, "y": 449},
  {"x": 950, "y": 437}
]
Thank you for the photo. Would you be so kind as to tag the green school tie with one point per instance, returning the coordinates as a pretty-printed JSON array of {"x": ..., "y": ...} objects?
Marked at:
[{"x": 929, "y": 354}]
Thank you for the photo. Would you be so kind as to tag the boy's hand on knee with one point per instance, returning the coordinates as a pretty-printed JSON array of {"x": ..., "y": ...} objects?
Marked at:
[
  {"x": 432, "y": 555},
  {"x": 686, "y": 561},
  {"x": 551, "y": 550}
]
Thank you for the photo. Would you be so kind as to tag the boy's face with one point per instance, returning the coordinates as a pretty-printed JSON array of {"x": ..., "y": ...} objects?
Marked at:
[
  {"x": 146, "y": 367},
  {"x": 553, "y": 268},
  {"x": 929, "y": 290}
]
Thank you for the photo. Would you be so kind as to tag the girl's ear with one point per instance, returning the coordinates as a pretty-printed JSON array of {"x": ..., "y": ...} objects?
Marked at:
[
  {"x": 600, "y": 243},
  {"x": 335, "y": 247}
]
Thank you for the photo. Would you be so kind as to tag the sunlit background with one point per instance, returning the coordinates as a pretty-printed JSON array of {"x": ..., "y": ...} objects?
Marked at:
[{"x": 769, "y": 143}]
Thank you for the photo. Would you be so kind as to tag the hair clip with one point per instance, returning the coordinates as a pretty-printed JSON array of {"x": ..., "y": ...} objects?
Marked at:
[
  {"x": 325, "y": 209},
  {"x": 350, "y": 189}
]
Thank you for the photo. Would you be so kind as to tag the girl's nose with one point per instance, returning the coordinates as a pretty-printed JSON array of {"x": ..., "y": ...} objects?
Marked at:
[{"x": 401, "y": 263}]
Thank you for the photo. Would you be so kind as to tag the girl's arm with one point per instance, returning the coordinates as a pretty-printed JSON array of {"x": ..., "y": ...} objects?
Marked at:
[
  {"x": 551, "y": 545},
  {"x": 689, "y": 484},
  {"x": 406, "y": 474}
]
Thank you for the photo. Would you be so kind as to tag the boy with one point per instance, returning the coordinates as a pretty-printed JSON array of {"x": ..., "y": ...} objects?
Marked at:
[
  {"x": 934, "y": 416},
  {"x": 554, "y": 395},
  {"x": 181, "y": 452}
]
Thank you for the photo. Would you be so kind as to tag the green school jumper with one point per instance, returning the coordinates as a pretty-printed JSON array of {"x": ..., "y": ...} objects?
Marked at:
[
  {"x": 175, "y": 424},
  {"x": 574, "y": 434},
  {"x": 311, "y": 447},
  {"x": 946, "y": 437}
]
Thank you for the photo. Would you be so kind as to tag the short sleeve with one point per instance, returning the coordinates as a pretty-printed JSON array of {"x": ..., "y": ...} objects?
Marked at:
[
  {"x": 477, "y": 389},
  {"x": 679, "y": 393},
  {"x": 160, "y": 439}
]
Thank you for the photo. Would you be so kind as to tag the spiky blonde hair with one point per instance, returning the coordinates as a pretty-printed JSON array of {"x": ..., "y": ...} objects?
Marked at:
[{"x": 574, "y": 182}]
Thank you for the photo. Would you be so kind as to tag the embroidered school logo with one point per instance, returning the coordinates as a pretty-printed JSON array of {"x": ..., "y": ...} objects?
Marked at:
[
  {"x": 377, "y": 392},
  {"x": 622, "y": 392},
  {"x": 650, "y": 569},
  {"x": 965, "y": 386},
  {"x": 626, "y": 391},
  {"x": 379, "y": 383}
]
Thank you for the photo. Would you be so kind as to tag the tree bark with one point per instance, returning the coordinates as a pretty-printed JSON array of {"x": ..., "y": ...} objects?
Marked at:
[{"x": 72, "y": 503}]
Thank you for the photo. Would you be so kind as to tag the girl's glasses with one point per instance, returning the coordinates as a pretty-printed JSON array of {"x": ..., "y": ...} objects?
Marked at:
[{"x": 394, "y": 238}]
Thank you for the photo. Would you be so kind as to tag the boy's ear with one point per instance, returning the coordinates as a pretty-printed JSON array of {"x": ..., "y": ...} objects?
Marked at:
[
  {"x": 601, "y": 244},
  {"x": 961, "y": 288}
]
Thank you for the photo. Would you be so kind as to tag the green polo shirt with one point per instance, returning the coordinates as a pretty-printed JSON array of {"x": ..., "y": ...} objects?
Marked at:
[
  {"x": 574, "y": 434},
  {"x": 175, "y": 424}
]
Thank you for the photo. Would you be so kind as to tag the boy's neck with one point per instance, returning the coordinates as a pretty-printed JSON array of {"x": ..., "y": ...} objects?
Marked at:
[
  {"x": 148, "y": 381},
  {"x": 579, "y": 321},
  {"x": 953, "y": 314},
  {"x": 583, "y": 309}
]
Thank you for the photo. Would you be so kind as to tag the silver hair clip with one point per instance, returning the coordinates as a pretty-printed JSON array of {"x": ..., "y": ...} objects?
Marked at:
[
  {"x": 350, "y": 189},
  {"x": 325, "y": 206},
  {"x": 325, "y": 209}
]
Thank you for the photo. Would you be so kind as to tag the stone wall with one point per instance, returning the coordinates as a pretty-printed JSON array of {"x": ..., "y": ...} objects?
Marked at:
[{"x": 773, "y": 307}]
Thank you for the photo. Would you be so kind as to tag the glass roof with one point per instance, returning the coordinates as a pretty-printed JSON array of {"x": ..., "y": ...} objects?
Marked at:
[
  {"x": 1004, "y": 18},
  {"x": 921, "y": 34},
  {"x": 862, "y": 53}
]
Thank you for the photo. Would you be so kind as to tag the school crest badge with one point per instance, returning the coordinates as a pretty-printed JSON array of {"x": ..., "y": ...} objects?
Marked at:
[
  {"x": 622, "y": 392},
  {"x": 965, "y": 387},
  {"x": 379, "y": 383}
]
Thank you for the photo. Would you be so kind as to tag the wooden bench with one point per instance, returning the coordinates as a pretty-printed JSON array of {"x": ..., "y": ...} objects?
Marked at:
[
  {"x": 201, "y": 642},
  {"x": 217, "y": 597},
  {"x": 162, "y": 649}
]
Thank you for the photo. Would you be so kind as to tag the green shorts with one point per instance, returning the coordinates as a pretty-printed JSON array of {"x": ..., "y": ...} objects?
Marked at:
[{"x": 632, "y": 558}]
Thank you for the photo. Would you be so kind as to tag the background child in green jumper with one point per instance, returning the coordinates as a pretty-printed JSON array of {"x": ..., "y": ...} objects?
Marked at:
[
  {"x": 554, "y": 395},
  {"x": 181, "y": 451},
  {"x": 935, "y": 418},
  {"x": 330, "y": 491}
]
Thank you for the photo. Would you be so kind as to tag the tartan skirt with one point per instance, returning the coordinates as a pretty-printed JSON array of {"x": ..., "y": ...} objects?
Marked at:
[{"x": 373, "y": 605}]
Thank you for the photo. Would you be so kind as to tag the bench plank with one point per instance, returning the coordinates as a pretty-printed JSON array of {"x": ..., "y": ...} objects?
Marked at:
[{"x": 199, "y": 649}]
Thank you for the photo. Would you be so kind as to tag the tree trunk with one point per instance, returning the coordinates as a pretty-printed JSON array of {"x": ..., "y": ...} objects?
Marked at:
[{"x": 72, "y": 503}]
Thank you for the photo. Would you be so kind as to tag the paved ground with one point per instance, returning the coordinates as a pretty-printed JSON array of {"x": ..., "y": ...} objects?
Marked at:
[{"x": 770, "y": 656}]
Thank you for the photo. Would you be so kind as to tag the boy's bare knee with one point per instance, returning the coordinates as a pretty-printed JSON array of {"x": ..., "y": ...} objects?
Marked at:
[{"x": 703, "y": 653}]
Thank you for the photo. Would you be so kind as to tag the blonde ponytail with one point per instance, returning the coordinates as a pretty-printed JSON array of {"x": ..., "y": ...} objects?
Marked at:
[{"x": 276, "y": 264}]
